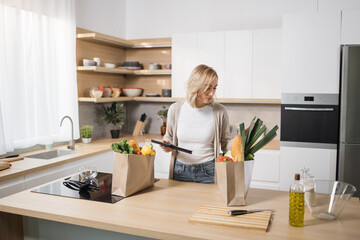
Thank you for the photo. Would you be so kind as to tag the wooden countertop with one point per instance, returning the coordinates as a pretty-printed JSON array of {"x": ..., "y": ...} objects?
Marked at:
[
  {"x": 163, "y": 212},
  {"x": 20, "y": 168}
]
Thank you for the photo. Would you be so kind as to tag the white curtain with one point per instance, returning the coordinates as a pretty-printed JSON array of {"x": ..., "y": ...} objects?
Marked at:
[{"x": 37, "y": 72}]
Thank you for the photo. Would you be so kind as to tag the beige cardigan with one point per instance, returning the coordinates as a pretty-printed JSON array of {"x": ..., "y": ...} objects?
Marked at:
[{"x": 222, "y": 130}]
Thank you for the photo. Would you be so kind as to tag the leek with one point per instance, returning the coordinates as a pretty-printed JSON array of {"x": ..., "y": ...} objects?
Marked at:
[{"x": 256, "y": 129}]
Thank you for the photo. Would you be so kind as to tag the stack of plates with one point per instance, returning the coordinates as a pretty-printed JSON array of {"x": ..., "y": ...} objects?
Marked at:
[
  {"x": 152, "y": 95},
  {"x": 131, "y": 65}
]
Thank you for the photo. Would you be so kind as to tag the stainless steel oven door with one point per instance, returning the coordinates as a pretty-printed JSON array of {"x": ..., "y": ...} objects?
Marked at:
[{"x": 310, "y": 123}]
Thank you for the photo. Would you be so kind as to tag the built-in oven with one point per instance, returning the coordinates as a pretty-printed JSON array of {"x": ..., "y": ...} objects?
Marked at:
[{"x": 309, "y": 120}]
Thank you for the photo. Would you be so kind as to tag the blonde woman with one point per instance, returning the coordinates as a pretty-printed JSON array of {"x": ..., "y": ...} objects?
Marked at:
[{"x": 198, "y": 124}]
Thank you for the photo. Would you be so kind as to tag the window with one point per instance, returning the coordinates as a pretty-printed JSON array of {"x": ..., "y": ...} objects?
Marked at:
[{"x": 37, "y": 73}]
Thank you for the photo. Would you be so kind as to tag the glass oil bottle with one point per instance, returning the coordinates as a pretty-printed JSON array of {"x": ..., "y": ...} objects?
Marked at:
[{"x": 296, "y": 208}]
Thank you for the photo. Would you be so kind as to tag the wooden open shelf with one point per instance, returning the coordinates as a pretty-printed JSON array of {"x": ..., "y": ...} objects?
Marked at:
[
  {"x": 154, "y": 43},
  {"x": 124, "y": 71},
  {"x": 122, "y": 43},
  {"x": 152, "y": 72},
  {"x": 165, "y": 99}
]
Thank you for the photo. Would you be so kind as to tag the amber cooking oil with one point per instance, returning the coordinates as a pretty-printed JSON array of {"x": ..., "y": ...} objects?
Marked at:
[{"x": 296, "y": 207}]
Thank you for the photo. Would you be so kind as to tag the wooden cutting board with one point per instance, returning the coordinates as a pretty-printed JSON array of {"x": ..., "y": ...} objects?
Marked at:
[
  {"x": 4, "y": 165},
  {"x": 13, "y": 159},
  {"x": 219, "y": 216}
]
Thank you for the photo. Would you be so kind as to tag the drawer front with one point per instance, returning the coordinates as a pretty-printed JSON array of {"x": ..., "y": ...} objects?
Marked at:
[{"x": 266, "y": 166}]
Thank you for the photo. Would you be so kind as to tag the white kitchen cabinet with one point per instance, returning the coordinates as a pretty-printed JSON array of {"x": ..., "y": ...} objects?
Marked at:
[
  {"x": 266, "y": 170},
  {"x": 248, "y": 62},
  {"x": 350, "y": 25},
  {"x": 161, "y": 162},
  {"x": 322, "y": 164},
  {"x": 184, "y": 59},
  {"x": 266, "y": 66},
  {"x": 103, "y": 162},
  {"x": 49, "y": 174},
  {"x": 311, "y": 53},
  {"x": 238, "y": 64},
  {"x": 11, "y": 186},
  {"x": 192, "y": 49},
  {"x": 210, "y": 51}
]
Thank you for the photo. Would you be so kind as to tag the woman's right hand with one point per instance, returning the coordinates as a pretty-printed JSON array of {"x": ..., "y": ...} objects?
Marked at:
[{"x": 166, "y": 149}]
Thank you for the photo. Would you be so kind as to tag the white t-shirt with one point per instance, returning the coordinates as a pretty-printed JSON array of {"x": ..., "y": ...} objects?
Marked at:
[{"x": 196, "y": 132}]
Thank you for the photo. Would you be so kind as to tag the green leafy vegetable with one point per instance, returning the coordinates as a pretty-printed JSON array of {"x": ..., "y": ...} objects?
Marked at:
[
  {"x": 122, "y": 147},
  {"x": 255, "y": 131}
]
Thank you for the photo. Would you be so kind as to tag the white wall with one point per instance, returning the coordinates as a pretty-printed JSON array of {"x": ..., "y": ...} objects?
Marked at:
[
  {"x": 103, "y": 16},
  {"x": 162, "y": 18}
]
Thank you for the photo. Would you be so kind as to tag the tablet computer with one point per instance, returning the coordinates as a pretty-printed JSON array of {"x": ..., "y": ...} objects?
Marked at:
[{"x": 172, "y": 146}]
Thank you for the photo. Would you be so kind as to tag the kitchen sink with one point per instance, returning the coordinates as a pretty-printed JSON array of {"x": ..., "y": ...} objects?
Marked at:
[{"x": 51, "y": 154}]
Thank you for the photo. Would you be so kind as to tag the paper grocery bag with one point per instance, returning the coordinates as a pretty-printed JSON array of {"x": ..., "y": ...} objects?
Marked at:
[
  {"x": 233, "y": 179},
  {"x": 132, "y": 173}
]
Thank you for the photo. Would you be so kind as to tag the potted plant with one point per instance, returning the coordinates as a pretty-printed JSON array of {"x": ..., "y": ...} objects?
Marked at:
[
  {"x": 114, "y": 115},
  {"x": 86, "y": 133},
  {"x": 163, "y": 116}
]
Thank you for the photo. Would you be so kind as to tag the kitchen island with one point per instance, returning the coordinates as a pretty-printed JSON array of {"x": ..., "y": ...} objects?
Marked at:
[
  {"x": 162, "y": 212},
  {"x": 31, "y": 172},
  {"x": 20, "y": 168}
]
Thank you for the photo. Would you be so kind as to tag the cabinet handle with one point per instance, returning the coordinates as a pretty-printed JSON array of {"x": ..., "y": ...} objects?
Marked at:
[{"x": 309, "y": 109}]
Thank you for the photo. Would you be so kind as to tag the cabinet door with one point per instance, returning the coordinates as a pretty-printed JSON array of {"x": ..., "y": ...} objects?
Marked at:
[
  {"x": 103, "y": 162},
  {"x": 49, "y": 174},
  {"x": 210, "y": 51},
  {"x": 267, "y": 63},
  {"x": 11, "y": 186},
  {"x": 311, "y": 53},
  {"x": 266, "y": 171},
  {"x": 238, "y": 64},
  {"x": 161, "y": 161},
  {"x": 192, "y": 49},
  {"x": 184, "y": 59},
  {"x": 350, "y": 25},
  {"x": 322, "y": 164}
]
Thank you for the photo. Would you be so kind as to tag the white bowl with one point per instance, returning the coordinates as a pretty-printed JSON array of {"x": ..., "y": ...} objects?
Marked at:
[
  {"x": 89, "y": 62},
  {"x": 132, "y": 92},
  {"x": 95, "y": 92},
  {"x": 109, "y": 65}
]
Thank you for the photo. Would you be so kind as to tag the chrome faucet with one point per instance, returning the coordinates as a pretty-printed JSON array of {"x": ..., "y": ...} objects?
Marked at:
[{"x": 71, "y": 142}]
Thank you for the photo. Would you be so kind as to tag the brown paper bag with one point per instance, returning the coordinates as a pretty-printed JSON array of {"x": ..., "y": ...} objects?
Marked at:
[
  {"x": 132, "y": 173},
  {"x": 233, "y": 179}
]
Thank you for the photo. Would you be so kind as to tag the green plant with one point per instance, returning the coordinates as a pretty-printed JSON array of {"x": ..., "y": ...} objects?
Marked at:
[
  {"x": 163, "y": 113},
  {"x": 114, "y": 114},
  {"x": 86, "y": 131},
  {"x": 251, "y": 136}
]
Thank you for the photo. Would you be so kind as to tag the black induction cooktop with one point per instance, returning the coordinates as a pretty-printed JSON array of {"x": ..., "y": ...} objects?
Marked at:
[{"x": 95, "y": 189}]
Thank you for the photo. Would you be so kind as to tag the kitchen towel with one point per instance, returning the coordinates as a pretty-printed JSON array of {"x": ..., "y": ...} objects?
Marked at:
[
  {"x": 233, "y": 179},
  {"x": 132, "y": 173}
]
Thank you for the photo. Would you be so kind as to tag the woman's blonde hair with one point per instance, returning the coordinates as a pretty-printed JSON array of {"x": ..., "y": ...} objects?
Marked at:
[{"x": 200, "y": 79}]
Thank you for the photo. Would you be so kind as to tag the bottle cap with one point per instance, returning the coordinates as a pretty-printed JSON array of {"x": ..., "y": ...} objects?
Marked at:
[{"x": 297, "y": 176}]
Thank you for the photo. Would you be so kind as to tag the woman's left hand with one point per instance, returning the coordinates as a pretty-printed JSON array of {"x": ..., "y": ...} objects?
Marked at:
[{"x": 166, "y": 149}]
